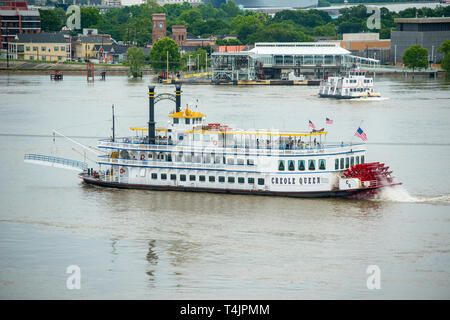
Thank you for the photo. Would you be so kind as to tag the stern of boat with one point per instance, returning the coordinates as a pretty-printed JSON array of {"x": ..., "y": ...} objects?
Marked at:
[{"x": 364, "y": 181}]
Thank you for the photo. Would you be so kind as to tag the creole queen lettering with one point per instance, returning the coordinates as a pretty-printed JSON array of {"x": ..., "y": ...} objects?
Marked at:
[{"x": 291, "y": 180}]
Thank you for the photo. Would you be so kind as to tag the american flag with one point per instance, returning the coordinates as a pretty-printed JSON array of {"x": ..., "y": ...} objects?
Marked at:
[
  {"x": 328, "y": 121},
  {"x": 311, "y": 124},
  {"x": 360, "y": 133}
]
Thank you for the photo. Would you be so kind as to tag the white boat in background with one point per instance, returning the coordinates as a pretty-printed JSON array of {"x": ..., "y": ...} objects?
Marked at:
[{"x": 354, "y": 85}]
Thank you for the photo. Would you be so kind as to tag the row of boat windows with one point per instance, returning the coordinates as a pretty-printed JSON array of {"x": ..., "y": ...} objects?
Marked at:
[
  {"x": 188, "y": 120},
  {"x": 349, "y": 161},
  {"x": 342, "y": 163},
  {"x": 201, "y": 159},
  {"x": 359, "y": 89},
  {"x": 202, "y": 178},
  {"x": 301, "y": 165}
]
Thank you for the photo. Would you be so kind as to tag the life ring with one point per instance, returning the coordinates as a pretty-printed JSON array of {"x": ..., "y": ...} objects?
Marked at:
[
  {"x": 127, "y": 140},
  {"x": 215, "y": 142},
  {"x": 122, "y": 170},
  {"x": 142, "y": 157}
]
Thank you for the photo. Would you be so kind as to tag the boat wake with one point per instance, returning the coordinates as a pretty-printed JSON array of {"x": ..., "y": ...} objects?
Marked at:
[
  {"x": 369, "y": 99},
  {"x": 400, "y": 194}
]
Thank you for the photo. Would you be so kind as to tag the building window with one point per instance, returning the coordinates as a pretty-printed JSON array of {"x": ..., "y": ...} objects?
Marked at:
[
  {"x": 163, "y": 176},
  {"x": 311, "y": 164},
  {"x": 55, "y": 48},
  {"x": 212, "y": 178},
  {"x": 241, "y": 180},
  {"x": 202, "y": 178},
  {"x": 261, "y": 181},
  {"x": 301, "y": 165},
  {"x": 154, "y": 176},
  {"x": 291, "y": 165},
  {"x": 322, "y": 164},
  {"x": 188, "y": 121},
  {"x": 31, "y": 57},
  {"x": 62, "y": 48},
  {"x": 182, "y": 177},
  {"x": 280, "y": 165},
  {"x": 173, "y": 177},
  {"x": 221, "y": 179},
  {"x": 191, "y": 177},
  {"x": 35, "y": 48},
  {"x": 44, "y": 58},
  {"x": 230, "y": 179},
  {"x": 44, "y": 48},
  {"x": 251, "y": 180},
  {"x": 27, "y": 48}
]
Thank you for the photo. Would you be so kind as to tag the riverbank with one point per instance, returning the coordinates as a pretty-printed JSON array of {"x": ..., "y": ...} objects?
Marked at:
[{"x": 23, "y": 67}]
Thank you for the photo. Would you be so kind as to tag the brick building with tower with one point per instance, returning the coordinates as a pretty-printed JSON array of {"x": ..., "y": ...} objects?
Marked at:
[{"x": 159, "y": 26}]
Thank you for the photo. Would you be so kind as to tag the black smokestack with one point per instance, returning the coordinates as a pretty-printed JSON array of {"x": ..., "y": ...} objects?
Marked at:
[
  {"x": 151, "y": 115},
  {"x": 178, "y": 97}
]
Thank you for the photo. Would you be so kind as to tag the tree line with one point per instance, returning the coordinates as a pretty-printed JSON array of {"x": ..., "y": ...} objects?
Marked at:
[{"x": 132, "y": 24}]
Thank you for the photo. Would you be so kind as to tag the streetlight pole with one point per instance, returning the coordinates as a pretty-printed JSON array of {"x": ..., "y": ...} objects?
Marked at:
[
  {"x": 395, "y": 55},
  {"x": 7, "y": 46}
]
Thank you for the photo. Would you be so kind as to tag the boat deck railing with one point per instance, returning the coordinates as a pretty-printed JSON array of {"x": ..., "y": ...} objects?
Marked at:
[
  {"x": 238, "y": 149},
  {"x": 56, "y": 160}
]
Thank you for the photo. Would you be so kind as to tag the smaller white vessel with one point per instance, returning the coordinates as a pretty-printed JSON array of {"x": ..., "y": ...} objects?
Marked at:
[{"x": 354, "y": 85}]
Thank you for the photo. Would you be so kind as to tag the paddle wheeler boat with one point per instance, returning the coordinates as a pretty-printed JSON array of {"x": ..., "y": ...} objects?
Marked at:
[{"x": 190, "y": 154}]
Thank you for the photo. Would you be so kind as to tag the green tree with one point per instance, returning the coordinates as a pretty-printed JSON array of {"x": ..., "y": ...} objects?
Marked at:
[
  {"x": 52, "y": 20},
  {"x": 90, "y": 17},
  {"x": 135, "y": 59},
  {"x": 159, "y": 52},
  {"x": 445, "y": 47},
  {"x": 244, "y": 26},
  {"x": 279, "y": 32},
  {"x": 445, "y": 63},
  {"x": 415, "y": 57}
]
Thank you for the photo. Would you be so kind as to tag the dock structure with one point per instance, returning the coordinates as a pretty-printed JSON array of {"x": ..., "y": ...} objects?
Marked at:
[
  {"x": 275, "y": 61},
  {"x": 57, "y": 75},
  {"x": 90, "y": 72}
]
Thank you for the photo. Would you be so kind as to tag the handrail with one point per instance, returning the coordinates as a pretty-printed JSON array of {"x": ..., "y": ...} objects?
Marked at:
[
  {"x": 209, "y": 149},
  {"x": 51, "y": 159}
]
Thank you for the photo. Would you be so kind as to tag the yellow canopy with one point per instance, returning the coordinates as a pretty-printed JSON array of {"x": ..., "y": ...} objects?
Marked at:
[{"x": 187, "y": 114}]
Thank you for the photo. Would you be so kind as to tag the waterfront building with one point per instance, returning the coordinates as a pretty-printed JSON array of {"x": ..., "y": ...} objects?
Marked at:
[
  {"x": 111, "y": 53},
  {"x": 275, "y": 60},
  {"x": 368, "y": 45},
  {"x": 44, "y": 46},
  {"x": 16, "y": 18},
  {"x": 430, "y": 33},
  {"x": 83, "y": 46}
]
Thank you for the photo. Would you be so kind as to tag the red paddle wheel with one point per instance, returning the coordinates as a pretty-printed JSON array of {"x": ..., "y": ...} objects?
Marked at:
[
  {"x": 372, "y": 175},
  {"x": 376, "y": 173}
]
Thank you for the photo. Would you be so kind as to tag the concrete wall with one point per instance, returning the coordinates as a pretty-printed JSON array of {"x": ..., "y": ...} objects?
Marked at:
[{"x": 402, "y": 40}]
